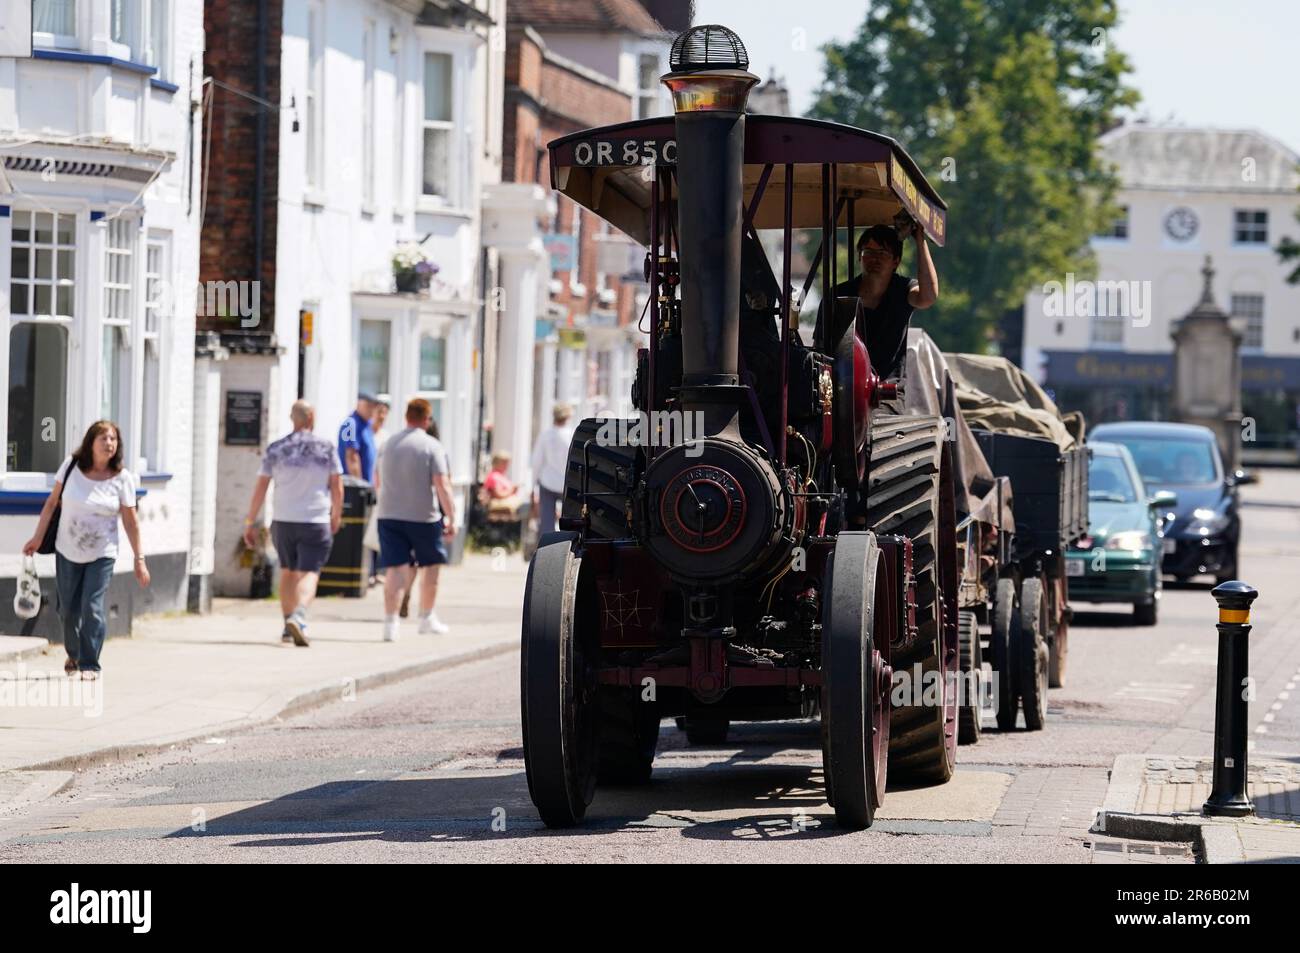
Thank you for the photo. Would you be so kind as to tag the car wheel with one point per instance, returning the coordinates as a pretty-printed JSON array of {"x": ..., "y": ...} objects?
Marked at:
[
  {"x": 1144, "y": 613},
  {"x": 1229, "y": 571}
]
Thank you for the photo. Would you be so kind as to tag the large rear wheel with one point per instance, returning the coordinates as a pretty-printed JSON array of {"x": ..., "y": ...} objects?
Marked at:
[
  {"x": 1029, "y": 648},
  {"x": 558, "y": 685},
  {"x": 607, "y": 469},
  {"x": 702, "y": 730},
  {"x": 629, "y": 735},
  {"x": 855, "y": 682},
  {"x": 910, "y": 493}
]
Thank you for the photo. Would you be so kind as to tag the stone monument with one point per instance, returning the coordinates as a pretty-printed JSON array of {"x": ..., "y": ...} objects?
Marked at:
[{"x": 1207, "y": 372}]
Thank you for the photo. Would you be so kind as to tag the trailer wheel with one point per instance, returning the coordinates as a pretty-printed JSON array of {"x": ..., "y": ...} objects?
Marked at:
[
  {"x": 972, "y": 678},
  {"x": 558, "y": 684},
  {"x": 706, "y": 731},
  {"x": 610, "y": 471},
  {"x": 1029, "y": 651},
  {"x": 1059, "y": 654},
  {"x": 628, "y": 737},
  {"x": 1058, "y": 614},
  {"x": 855, "y": 682},
  {"x": 1006, "y": 681},
  {"x": 910, "y": 493}
]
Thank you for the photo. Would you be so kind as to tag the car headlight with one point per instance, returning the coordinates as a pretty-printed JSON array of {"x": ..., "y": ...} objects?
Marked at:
[
  {"x": 1206, "y": 521},
  {"x": 1132, "y": 541}
]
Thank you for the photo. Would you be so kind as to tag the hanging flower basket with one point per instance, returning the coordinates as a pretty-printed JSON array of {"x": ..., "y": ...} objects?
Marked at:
[{"x": 412, "y": 270}]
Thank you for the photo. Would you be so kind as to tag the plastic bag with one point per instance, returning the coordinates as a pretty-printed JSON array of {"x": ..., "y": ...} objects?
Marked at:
[
  {"x": 27, "y": 593},
  {"x": 370, "y": 538}
]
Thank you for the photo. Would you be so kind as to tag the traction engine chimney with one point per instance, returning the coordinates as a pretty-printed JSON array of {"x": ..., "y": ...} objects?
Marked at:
[{"x": 710, "y": 85}]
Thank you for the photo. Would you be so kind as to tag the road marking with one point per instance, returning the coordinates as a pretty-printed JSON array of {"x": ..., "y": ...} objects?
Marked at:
[
  {"x": 1261, "y": 729},
  {"x": 1268, "y": 717},
  {"x": 1184, "y": 654},
  {"x": 1164, "y": 693}
]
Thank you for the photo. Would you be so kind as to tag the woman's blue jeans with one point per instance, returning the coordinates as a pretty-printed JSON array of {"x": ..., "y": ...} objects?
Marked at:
[{"x": 82, "y": 589}]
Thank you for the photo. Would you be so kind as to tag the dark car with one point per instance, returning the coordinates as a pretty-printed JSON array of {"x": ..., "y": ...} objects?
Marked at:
[
  {"x": 1119, "y": 559},
  {"x": 1202, "y": 530}
]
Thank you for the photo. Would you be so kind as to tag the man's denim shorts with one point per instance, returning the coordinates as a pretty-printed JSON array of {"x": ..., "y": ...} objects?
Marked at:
[
  {"x": 402, "y": 543},
  {"x": 302, "y": 547}
]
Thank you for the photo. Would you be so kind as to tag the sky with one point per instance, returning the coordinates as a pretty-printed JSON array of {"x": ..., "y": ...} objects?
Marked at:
[{"x": 1231, "y": 65}]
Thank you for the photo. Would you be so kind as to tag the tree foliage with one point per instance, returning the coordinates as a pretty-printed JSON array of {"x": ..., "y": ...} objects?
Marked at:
[
  {"x": 1000, "y": 102},
  {"x": 1288, "y": 250}
]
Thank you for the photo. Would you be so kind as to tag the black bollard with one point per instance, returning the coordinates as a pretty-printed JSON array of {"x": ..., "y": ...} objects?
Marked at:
[{"x": 1228, "y": 798}]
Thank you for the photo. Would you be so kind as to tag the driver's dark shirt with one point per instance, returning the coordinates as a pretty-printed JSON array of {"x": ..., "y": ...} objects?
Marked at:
[{"x": 884, "y": 327}]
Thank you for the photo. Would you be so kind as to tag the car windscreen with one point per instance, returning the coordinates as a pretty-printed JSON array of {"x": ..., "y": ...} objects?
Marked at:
[
  {"x": 1109, "y": 480},
  {"x": 1172, "y": 461}
]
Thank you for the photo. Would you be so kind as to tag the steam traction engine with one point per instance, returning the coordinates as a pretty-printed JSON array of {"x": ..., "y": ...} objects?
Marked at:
[{"x": 786, "y": 547}]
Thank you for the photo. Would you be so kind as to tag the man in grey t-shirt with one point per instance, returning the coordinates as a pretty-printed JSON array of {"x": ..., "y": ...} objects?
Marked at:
[
  {"x": 308, "y": 509},
  {"x": 416, "y": 513}
]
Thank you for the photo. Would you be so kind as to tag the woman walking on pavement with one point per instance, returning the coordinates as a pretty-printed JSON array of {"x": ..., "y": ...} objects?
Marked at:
[{"x": 94, "y": 490}]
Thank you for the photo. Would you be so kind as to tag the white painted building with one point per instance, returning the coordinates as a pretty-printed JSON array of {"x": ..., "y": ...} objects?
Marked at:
[
  {"x": 389, "y": 131},
  {"x": 100, "y": 139},
  {"x": 1185, "y": 193}
]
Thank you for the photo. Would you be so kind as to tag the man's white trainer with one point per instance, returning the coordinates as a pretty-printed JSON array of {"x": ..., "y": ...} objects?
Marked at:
[
  {"x": 431, "y": 625},
  {"x": 392, "y": 628}
]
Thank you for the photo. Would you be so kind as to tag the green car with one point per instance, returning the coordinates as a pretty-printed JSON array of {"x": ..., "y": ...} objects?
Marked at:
[{"x": 1119, "y": 559}]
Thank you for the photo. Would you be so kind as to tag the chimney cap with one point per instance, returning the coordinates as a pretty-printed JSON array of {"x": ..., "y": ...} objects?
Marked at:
[{"x": 707, "y": 47}]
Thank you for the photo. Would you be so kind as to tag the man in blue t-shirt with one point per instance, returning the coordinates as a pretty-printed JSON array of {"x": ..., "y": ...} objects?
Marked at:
[{"x": 357, "y": 439}]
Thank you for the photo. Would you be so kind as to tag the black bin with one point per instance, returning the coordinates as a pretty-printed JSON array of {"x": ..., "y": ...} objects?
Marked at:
[{"x": 346, "y": 572}]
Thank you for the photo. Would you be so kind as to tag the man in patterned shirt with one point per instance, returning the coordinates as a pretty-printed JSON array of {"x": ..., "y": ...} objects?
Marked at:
[{"x": 307, "y": 509}]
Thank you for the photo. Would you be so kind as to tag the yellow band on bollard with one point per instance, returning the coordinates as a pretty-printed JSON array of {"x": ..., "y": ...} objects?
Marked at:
[{"x": 1234, "y": 615}]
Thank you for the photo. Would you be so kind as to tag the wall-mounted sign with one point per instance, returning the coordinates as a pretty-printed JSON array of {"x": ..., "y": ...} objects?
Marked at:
[
  {"x": 563, "y": 249},
  {"x": 243, "y": 418},
  {"x": 572, "y": 337}
]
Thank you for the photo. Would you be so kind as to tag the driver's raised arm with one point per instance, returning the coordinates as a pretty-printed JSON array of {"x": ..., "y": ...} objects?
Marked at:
[{"x": 925, "y": 286}]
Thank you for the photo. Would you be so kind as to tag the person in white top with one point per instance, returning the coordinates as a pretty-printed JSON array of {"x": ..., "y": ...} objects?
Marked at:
[
  {"x": 92, "y": 491},
  {"x": 550, "y": 459}
]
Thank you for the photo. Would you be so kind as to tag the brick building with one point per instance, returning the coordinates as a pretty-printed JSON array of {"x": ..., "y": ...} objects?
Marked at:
[{"x": 572, "y": 335}]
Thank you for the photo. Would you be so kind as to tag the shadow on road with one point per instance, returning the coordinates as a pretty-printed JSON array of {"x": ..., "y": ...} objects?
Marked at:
[{"x": 762, "y": 798}]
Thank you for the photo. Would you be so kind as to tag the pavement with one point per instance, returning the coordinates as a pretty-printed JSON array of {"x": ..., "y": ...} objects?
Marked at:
[
  {"x": 182, "y": 678},
  {"x": 1159, "y": 798}
]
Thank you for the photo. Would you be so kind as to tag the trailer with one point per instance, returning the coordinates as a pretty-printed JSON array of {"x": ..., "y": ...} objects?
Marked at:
[{"x": 1025, "y": 439}]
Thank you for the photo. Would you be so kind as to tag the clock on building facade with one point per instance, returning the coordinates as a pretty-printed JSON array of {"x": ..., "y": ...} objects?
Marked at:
[{"x": 1181, "y": 224}]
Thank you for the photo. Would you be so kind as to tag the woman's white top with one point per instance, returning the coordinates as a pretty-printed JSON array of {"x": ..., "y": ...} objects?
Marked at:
[{"x": 91, "y": 508}]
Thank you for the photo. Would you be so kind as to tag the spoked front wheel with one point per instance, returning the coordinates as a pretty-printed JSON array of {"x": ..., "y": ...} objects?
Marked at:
[
  {"x": 558, "y": 685},
  {"x": 855, "y": 682}
]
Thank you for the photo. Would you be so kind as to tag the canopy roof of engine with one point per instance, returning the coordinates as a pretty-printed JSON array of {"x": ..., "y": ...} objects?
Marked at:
[{"x": 605, "y": 169}]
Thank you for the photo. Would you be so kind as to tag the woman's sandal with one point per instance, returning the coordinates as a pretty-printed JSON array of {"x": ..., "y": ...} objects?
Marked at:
[{"x": 70, "y": 667}]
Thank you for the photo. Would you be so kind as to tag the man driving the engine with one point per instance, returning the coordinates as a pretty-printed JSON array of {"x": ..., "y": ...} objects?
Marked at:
[{"x": 888, "y": 298}]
